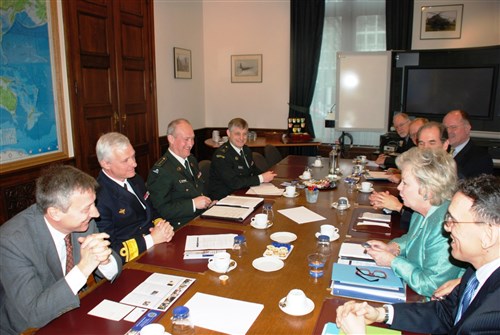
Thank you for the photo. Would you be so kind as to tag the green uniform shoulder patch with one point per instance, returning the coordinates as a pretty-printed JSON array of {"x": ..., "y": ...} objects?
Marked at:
[{"x": 161, "y": 161}]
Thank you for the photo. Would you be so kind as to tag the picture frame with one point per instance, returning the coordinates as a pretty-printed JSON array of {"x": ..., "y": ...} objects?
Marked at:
[
  {"x": 182, "y": 63},
  {"x": 37, "y": 132},
  {"x": 246, "y": 68},
  {"x": 441, "y": 22}
]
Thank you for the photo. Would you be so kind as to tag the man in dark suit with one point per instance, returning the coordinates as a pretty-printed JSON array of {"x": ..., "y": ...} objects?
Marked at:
[
  {"x": 48, "y": 251},
  {"x": 473, "y": 221},
  {"x": 127, "y": 214},
  {"x": 175, "y": 182},
  {"x": 401, "y": 123},
  {"x": 232, "y": 165},
  {"x": 471, "y": 159}
]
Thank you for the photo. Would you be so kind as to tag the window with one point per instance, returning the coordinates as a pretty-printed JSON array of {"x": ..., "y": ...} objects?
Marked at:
[{"x": 350, "y": 25}]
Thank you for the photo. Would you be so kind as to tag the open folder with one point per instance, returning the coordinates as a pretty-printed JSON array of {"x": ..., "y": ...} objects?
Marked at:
[{"x": 235, "y": 208}]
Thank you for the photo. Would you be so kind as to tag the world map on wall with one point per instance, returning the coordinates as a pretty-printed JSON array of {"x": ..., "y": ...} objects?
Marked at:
[{"x": 28, "y": 118}]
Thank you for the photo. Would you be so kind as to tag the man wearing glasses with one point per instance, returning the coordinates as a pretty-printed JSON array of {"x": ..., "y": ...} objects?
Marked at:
[
  {"x": 473, "y": 222},
  {"x": 471, "y": 159},
  {"x": 401, "y": 123}
]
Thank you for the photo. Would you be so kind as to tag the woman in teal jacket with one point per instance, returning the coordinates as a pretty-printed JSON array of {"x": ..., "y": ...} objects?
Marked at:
[{"x": 421, "y": 257}]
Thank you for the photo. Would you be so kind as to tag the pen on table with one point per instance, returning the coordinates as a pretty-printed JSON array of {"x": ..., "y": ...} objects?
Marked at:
[{"x": 197, "y": 242}]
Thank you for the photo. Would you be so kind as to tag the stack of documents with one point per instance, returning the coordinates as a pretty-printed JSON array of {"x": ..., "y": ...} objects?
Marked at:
[
  {"x": 367, "y": 283},
  {"x": 233, "y": 207},
  {"x": 265, "y": 189},
  {"x": 206, "y": 246},
  {"x": 355, "y": 254},
  {"x": 332, "y": 329},
  {"x": 374, "y": 223},
  {"x": 377, "y": 175}
]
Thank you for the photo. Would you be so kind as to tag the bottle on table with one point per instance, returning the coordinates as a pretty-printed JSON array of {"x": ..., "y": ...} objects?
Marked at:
[
  {"x": 267, "y": 209},
  {"x": 181, "y": 324},
  {"x": 240, "y": 245},
  {"x": 323, "y": 245}
]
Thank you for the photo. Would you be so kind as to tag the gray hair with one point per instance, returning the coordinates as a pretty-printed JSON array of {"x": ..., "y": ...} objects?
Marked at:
[
  {"x": 238, "y": 123},
  {"x": 57, "y": 184},
  {"x": 109, "y": 142},
  {"x": 173, "y": 125},
  {"x": 435, "y": 171}
]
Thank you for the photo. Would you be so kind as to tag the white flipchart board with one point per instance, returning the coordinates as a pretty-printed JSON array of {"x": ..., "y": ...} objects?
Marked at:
[{"x": 363, "y": 85}]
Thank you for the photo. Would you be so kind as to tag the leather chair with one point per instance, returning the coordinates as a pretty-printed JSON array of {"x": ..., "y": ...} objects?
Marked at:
[
  {"x": 260, "y": 161},
  {"x": 272, "y": 154},
  {"x": 204, "y": 166}
]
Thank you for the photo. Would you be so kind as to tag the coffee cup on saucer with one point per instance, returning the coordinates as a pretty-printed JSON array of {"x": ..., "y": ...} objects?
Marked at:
[
  {"x": 366, "y": 186},
  {"x": 306, "y": 174},
  {"x": 317, "y": 162},
  {"x": 220, "y": 261},
  {"x": 153, "y": 329},
  {"x": 290, "y": 191},
  {"x": 296, "y": 301},
  {"x": 343, "y": 203},
  {"x": 329, "y": 230},
  {"x": 260, "y": 220}
]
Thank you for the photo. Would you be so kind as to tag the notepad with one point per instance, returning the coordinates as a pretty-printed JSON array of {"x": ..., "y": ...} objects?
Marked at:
[{"x": 235, "y": 208}]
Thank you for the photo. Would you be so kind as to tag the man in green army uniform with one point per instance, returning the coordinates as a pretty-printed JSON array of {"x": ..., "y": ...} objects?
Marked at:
[
  {"x": 232, "y": 165},
  {"x": 175, "y": 182}
]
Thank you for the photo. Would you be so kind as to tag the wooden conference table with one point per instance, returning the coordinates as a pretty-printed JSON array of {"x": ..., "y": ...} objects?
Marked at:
[
  {"x": 245, "y": 282},
  {"x": 261, "y": 142}
]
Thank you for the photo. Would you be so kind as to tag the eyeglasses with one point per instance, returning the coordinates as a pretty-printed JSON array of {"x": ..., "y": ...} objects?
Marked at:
[
  {"x": 375, "y": 275},
  {"x": 449, "y": 220},
  {"x": 397, "y": 126}
]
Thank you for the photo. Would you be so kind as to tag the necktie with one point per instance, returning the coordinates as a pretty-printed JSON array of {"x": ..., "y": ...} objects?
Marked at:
[
  {"x": 452, "y": 152},
  {"x": 243, "y": 157},
  {"x": 188, "y": 169},
  {"x": 467, "y": 297},
  {"x": 125, "y": 186},
  {"x": 69, "y": 253}
]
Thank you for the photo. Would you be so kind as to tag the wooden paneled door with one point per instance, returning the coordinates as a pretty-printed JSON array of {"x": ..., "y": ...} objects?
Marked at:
[{"x": 110, "y": 54}]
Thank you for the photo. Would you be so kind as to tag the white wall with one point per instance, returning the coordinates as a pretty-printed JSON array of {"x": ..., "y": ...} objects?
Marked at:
[
  {"x": 213, "y": 31},
  {"x": 480, "y": 25},
  {"x": 179, "y": 24}
]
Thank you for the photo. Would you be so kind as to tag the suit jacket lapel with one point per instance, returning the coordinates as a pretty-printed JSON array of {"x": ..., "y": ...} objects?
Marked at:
[
  {"x": 46, "y": 243},
  {"x": 488, "y": 288}
]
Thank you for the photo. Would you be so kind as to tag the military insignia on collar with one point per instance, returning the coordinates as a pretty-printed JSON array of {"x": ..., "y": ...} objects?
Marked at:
[
  {"x": 220, "y": 156},
  {"x": 236, "y": 158},
  {"x": 178, "y": 169},
  {"x": 156, "y": 171},
  {"x": 121, "y": 211}
]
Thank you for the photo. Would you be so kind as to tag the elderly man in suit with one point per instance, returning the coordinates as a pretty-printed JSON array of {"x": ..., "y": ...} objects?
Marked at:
[
  {"x": 127, "y": 214},
  {"x": 473, "y": 221},
  {"x": 401, "y": 123},
  {"x": 175, "y": 182},
  {"x": 48, "y": 251},
  {"x": 232, "y": 165},
  {"x": 471, "y": 159}
]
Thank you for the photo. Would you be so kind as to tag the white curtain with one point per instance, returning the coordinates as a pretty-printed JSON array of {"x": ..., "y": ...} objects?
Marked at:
[{"x": 350, "y": 25}]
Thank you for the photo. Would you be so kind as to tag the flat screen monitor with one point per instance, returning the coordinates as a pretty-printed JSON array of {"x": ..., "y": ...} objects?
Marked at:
[{"x": 435, "y": 91}]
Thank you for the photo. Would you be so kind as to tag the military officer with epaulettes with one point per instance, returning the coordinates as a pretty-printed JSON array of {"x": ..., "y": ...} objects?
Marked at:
[{"x": 175, "y": 183}]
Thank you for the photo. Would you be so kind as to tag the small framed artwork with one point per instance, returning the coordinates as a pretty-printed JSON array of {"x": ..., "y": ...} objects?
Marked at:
[
  {"x": 246, "y": 68},
  {"x": 182, "y": 63},
  {"x": 440, "y": 22}
]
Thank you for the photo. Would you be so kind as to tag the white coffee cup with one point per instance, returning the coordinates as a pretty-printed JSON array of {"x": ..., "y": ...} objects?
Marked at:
[
  {"x": 362, "y": 159},
  {"x": 366, "y": 186},
  {"x": 215, "y": 136},
  {"x": 329, "y": 230},
  {"x": 342, "y": 203},
  {"x": 153, "y": 329},
  {"x": 260, "y": 220},
  {"x": 306, "y": 174},
  {"x": 290, "y": 191},
  {"x": 317, "y": 162},
  {"x": 296, "y": 300},
  {"x": 220, "y": 261}
]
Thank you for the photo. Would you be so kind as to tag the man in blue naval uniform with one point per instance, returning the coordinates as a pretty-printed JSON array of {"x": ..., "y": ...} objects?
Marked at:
[
  {"x": 175, "y": 181},
  {"x": 232, "y": 165},
  {"x": 127, "y": 214}
]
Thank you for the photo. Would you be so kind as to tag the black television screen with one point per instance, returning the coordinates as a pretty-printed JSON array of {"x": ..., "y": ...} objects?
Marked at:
[{"x": 436, "y": 91}]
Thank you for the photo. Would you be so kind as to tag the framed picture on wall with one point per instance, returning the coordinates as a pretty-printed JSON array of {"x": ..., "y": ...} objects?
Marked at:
[
  {"x": 182, "y": 63},
  {"x": 33, "y": 128},
  {"x": 440, "y": 22},
  {"x": 246, "y": 68}
]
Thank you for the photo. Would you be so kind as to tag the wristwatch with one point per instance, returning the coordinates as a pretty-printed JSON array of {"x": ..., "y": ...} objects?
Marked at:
[{"x": 386, "y": 313}]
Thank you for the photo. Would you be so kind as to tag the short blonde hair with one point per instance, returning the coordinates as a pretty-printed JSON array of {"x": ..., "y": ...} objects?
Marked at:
[{"x": 435, "y": 171}]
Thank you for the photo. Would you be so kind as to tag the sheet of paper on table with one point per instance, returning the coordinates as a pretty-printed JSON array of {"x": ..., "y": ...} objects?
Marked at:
[
  {"x": 301, "y": 214},
  {"x": 111, "y": 310},
  {"x": 209, "y": 242},
  {"x": 224, "y": 315},
  {"x": 265, "y": 189}
]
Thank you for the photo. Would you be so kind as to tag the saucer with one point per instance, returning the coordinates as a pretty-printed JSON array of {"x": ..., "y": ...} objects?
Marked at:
[
  {"x": 301, "y": 177},
  {"x": 332, "y": 238},
  {"x": 317, "y": 166},
  {"x": 363, "y": 191},
  {"x": 334, "y": 205},
  {"x": 283, "y": 237},
  {"x": 296, "y": 194},
  {"x": 308, "y": 308},
  {"x": 268, "y": 264},
  {"x": 259, "y": 227},
  {"x": 231, "y": 267}
]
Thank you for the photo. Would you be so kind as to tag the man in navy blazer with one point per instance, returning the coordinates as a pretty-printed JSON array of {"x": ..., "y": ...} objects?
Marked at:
[
  {"x": 127, "y": 214},
  {"x": 471, "y": 159},
  {"x": 38, "y": 280},
  {"x": 473, "y": 221}
]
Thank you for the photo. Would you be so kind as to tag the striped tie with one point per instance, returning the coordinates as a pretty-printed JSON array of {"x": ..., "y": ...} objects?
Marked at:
[
  {"x": 467, "y": 297},
  {"x": 69, "y": 253}
]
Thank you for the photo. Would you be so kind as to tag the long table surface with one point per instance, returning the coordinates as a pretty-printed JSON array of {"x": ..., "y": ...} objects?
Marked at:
[{"x": 245, "y": 282}]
